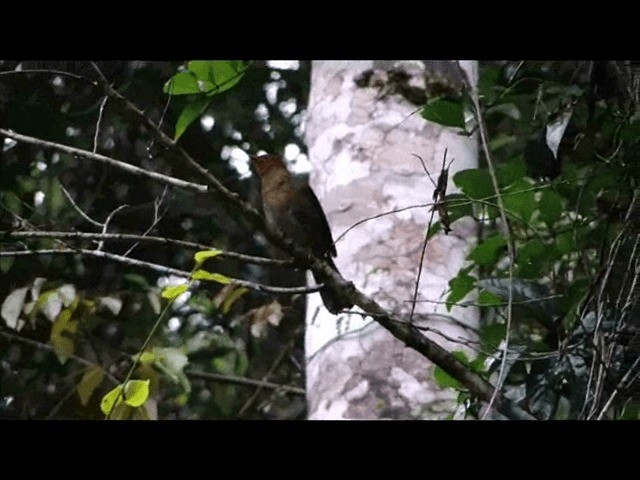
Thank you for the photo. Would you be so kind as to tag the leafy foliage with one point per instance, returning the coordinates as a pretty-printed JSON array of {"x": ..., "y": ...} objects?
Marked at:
[
  {"x": 568, "y": 180},
  {"x": 72, "y": 326}
]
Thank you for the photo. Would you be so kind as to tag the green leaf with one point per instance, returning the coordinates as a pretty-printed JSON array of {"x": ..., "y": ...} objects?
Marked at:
[
  {"x": 6, "y": 263},
  {"x": 489, "y": 251},
  {"x": 232, "y": 298},
  {"x": 203, "y": 255},
  {"x": 509, "y": 172},
  {"x": 434, "y": 229},
  {"x": 519, "y": 200},
  {"x": 491, "y": 335},
  {"x": 565, "y": 243},
  {"x": 506, "y": 109},
  {"x": 488, "y": 299},
  {"x": 63, "y": 331},
  {"x": 474, "y": 183},
  {"x": 147, "y": 357},
  {"x": 532, "y": 258},
  {"x": 221, "y": 74},
  {"x": 213, "y": 277},
  {"x": 174, "y": 291},
  {"x": 185, "y": 83},
  {"x": 443, "y": 379},
  {"x": 189, "y": 113},
  {"x": 458, "y": 206},
  {"x": 446, "y": 112},
  {"x": 12, "y": 308},
  {"x": 136, "y": 393},
  {"x": 91, "y": 380},
  {"x": 501, "y": 140},
  {"x": 551, "y": 206},
  {"x": 460, "y": 286}
]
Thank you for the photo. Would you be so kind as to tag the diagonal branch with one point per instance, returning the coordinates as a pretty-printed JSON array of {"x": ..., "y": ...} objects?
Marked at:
[
  {"x": 144, "y": 239},
  {"x": 259, "y": 287},
  {"x": 127, "y": 167}
]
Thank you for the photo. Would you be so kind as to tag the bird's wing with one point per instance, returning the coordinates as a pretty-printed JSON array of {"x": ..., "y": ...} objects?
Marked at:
[{"x": 314, "y": 215}]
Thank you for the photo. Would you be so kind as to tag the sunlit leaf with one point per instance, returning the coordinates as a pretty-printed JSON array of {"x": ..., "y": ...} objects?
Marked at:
[
  {"x": 189, "y": 114},
  {"x": 174, "y": 291},
  {"x": 203, "y": 255},
  {"x": 213, "y": 277}
]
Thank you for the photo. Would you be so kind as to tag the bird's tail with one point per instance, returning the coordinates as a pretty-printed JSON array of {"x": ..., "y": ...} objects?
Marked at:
[{"x": 334, "y": 303}]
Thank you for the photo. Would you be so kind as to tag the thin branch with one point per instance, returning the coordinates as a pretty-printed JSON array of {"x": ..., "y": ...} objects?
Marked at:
[
  {"x": 45, "y": 346},
  {"x": 437, "y": 196},
  {"x": 145, "y": 239},
  {"x": 156, "y": 219},
  {"x": 217, "y": 377},
  {"x": 95, "y": 137},
  {"x": 105, "y": 225},
  {"x": 273, "y": 368},
  {"x": 78, "y": 209},
  {"x": 127, "y": 167},
  {"x": 60, "y": 73},
  {"x": 158, "y": 268},
  {"x": 510, "y": 246}
]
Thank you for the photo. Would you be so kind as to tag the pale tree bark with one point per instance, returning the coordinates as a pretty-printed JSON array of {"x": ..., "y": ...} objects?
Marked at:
[{"x": 362, "y": 141}]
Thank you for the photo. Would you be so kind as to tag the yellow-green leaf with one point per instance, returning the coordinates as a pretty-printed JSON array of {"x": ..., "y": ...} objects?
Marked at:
[
  {"x": 203, "y": 255},
  {"x": 212, "y": 277},
  {"x": 174, "y": 291},
  {"x": 136, "y": 392},
  {"x": 231, "y": 299},
  {"x": 109, "y": 400},
  {"x": 62, "y": 332},
  {"x": 91, "y": 380},
  {"x": 147, "y": 357}
]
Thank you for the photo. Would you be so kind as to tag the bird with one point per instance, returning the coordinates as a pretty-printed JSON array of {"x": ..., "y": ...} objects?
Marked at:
[{"x": 295, "y": 211}]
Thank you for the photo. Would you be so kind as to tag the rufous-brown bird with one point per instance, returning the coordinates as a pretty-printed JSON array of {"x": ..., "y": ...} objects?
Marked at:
[{"x": 295, "y": 211}]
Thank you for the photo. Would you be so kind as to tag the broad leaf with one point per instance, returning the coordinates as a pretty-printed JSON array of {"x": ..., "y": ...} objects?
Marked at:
[
  {"x": 189, "y": 113},
  {"x": 91, "y": 380},
  {"x": 446, "y": 112}
]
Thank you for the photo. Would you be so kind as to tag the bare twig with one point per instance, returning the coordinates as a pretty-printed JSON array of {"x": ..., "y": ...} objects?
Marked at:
[
  {"x": 45, "y": 346},
  {"x": 275, "y": 365},
  {"x": 156, "y": 219},
  {"x": 250, "y": 382},
  {"x": 158, "y": 268},
  {"x": 105, "y": 225},
  {"x": 436, "y": 195},
  {"x": 145, "y": 239},
  {"x": 95, "y": 137},
  {"x": 127, "y": 167},
  {"x": 78, "y": 209}
]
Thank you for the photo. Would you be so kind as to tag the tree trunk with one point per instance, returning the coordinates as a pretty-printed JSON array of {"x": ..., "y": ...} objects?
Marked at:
[{"x": 362, "y": 141}]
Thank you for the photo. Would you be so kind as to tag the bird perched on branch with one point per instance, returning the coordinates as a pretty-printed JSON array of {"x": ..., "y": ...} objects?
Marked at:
[{"x": 295, "y": 211}]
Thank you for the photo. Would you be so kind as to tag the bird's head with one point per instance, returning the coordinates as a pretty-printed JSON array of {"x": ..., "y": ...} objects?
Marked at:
[{"x": 267, "y": 163}]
